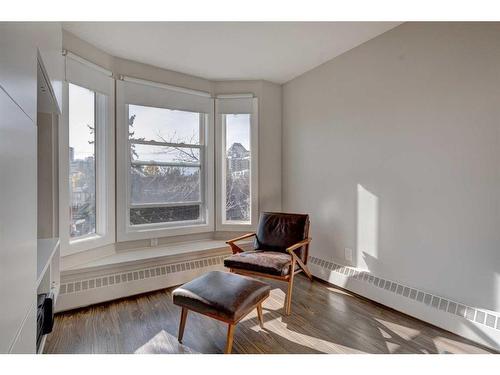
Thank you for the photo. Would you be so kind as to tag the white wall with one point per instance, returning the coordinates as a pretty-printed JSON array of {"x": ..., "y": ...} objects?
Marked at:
[
  {"x": 131, "y": 68},
  {"x": 394, "y": 150}
]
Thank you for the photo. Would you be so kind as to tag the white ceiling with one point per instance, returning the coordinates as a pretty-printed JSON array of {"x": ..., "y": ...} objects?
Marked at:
[{"x": 273, "y": 51}]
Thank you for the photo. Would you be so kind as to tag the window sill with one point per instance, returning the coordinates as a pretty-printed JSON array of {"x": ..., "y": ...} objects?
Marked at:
[
  {"x": 88, "y": 243},
  {"x": 148, "y": 232},
  {"x": 78, "y": 241},
  {"x": 236, "y": 227},
  {"x": 172, "y": 252}
]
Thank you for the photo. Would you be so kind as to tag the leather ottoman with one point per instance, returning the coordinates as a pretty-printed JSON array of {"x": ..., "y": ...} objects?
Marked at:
[{"x": 223, "y": 296}]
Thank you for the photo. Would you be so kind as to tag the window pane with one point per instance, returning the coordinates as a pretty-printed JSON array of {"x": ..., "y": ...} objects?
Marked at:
[
  {"x": 82, "y": 161},
  {"x": 163, "y": 125},
  {"x": 156, "y": 177},
  {"x": 152, "y": 184},
  {"x": 165, "y": 154},
  {"x": 153, "y": 215},
  {"x": 238, "y": 153}
]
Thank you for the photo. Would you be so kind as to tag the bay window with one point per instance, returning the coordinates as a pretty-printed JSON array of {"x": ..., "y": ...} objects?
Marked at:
[{"x": 185, "y": 163}]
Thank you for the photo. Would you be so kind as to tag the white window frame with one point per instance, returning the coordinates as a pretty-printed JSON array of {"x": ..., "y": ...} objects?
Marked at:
[
  {"x": 230, "y": 101},
  {"x": 100, "y": 81},
  {"x": 152, "y": 98}
]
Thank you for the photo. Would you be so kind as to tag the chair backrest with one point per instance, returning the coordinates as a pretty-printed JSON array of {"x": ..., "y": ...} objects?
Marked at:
[{"x": 277, "y": 231}]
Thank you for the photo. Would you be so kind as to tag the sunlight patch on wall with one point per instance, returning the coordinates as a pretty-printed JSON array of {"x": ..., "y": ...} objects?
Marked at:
[{"x": 367, "y": 226}]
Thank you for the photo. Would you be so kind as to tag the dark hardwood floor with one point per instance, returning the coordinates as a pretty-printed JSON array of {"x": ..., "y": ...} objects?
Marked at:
[{"x": 324, "y": 320}]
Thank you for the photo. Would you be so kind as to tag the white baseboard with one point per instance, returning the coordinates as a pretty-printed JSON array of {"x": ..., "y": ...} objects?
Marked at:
[{"x": 478, "y": 325}]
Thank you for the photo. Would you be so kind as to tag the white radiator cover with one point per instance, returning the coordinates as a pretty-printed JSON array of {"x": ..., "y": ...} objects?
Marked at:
[
  {"x": 82, "y": 290},
  {"x": 479, "y": 325}
]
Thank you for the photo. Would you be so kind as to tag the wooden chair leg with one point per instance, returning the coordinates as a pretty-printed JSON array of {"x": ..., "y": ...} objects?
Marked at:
[
  {"x": 259, "y": 313},
  {"x": 229, "y": 341},
  {"x": 288, "y": 306},
  {"x": 182, "y": 324}
]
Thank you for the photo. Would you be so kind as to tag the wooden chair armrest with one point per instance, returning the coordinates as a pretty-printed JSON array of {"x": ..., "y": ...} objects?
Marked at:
[
  {"x": 235, "y": 248},
  {"x": 298, "y": 245},
  {"x": 295, "y": 258},
  {"x": 248, "y": 235}
]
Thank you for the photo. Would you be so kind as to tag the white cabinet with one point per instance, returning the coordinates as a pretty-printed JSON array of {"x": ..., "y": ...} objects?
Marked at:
[
  {"x": 18, "y": 224},
  {"x": 48, "y": 273},
  {"x": 24, "y": 343},
  {"x": 21, "y": 45}
]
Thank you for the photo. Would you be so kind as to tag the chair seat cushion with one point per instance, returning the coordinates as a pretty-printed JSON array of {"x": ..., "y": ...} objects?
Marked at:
[
  {"x": 222, "y": 295},
  {"x": 269, "y": 262}
]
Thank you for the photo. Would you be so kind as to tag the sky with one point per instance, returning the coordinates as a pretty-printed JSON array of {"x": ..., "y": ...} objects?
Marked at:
[
  {"x": 81, "y": 114},
  {"x": 160, "y": 124},
  {"x": 238, "y": 130},
  {"x": 150, "y": 123}
]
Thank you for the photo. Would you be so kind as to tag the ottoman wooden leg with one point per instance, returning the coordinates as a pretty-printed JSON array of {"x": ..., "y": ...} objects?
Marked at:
[
  {"x": 229, "y": 342},
  {"x": 183, "y": 323},
  {"x": 259, "y": 313}
]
